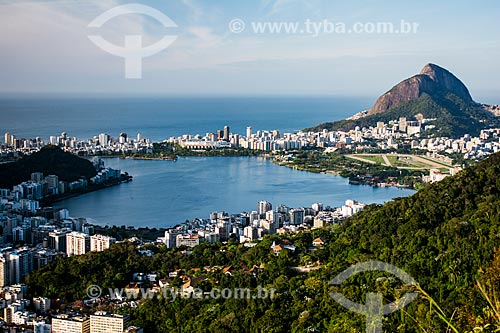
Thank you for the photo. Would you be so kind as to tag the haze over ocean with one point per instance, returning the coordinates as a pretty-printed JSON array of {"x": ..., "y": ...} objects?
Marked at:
[{"x": 160, "y": 118}]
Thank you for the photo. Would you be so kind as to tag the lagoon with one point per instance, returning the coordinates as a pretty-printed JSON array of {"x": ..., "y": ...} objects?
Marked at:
[{"x": 166, "y": 193}]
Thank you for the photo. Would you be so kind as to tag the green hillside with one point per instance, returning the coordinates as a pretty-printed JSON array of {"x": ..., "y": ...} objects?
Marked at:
[
  {"x": 445, "y": 237},
  {"x": 50, "y": 160},
  {"x": 454, "y": 116}
]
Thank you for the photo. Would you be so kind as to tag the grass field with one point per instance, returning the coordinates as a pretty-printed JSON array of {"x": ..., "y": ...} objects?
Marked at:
[
  {"x": 401, "y": 161},
  {"x": 375, "y": 159}
]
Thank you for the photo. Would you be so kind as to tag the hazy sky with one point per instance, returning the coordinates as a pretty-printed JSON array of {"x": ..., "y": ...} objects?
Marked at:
[{"x": 44, "y": 47}]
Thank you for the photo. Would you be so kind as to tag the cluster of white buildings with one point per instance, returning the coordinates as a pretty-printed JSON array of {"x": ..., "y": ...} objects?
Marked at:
[
  {"x": 260, "y": 140},
  {"x": 44, "y": 233},
  {"x": 99, "y": 322},
  {"x": 14, "y": 306},
  {"x": 105, "y": 175},
  {"x": 16, "y": 315},
  {"x": 47, "y": 239},
  {"x": 17, "y": 262},
  {"x": 470, "y": 147},
  {"x": 249, "y": 226},
  {"x": 387, "y": 136},
  {"x": 78, "y": 243},
  {"x": 25, "y": 196},
  {"x": 391, "y": 135},
  {"x": 100, "y": 144}
]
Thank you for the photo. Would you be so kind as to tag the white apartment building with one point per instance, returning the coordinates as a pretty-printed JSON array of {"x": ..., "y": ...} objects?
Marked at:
[
  {"x": 41, "y": 304},
  {"x": 66, "y": 324},
  {"x": 187, "y": 240},
  {"x": 77, "y": 243},
  {"x": 351, "y": 207},
  {"x": 101, "y": 322},
  {"x": 99, "y": 243}
]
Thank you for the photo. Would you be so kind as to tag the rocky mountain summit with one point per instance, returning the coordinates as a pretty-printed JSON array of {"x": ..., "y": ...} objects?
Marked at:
[{"x": 432, "y": 80}]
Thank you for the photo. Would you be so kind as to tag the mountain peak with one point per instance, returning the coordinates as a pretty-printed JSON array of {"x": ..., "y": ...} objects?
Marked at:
[
  {"x": 434, "y": 93},
  {"x": 432, "y": 80},
  {"x": 448, "y": 81},
  {"x": 430, "y": 67}
]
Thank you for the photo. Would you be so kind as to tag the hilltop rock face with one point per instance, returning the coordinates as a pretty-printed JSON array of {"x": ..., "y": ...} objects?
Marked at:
[
  {"x": 431, "y": 80},
  {"x": 436, "y": 94},
  {"x": 447, "y": 81}
]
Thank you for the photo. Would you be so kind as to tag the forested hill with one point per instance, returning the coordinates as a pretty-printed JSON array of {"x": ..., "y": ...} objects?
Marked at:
[
  {"x": 435, "y": 94},
  {"x": 50, "y": 160},
  {"x": 453, "y": 117},
  {"x": 444, "y": 236},
  {"x": 463, "y": 208}
]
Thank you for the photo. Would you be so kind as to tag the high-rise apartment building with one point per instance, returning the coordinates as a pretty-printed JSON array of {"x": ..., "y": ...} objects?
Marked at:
[
  {"x": 37, "y": 177},
  {"x": 273, "y": 216},
  {"x": 53, "y": 183},
  {"x": 104, "y": 139},
  {"x": 4, "y": 271},
  {"x": 101, "y": 322},
  {"x": 171, "y": 238},
  {"x": 77, "y": 243},
  {"x": 15, "y": 265},
  {"x": 187, "y": 240},
  {"x": 99, "y": 243},
  {"x": 9, "y": 139},
  {"x": 57, "y": 240},
  {"x": 297, "y": 216},
  {"x": 263, "y": 207},
  {"x": 67, "y": 324}
]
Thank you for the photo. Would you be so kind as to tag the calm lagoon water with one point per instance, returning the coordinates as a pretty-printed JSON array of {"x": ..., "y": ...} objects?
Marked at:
[{"x": 165, "y": 193}]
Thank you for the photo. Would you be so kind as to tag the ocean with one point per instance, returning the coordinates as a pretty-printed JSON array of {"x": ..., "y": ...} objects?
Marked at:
[{"x": 160, "y": 118}]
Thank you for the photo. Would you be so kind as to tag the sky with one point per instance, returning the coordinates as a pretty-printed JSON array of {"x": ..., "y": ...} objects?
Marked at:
[{"x": 45, "y": 47}]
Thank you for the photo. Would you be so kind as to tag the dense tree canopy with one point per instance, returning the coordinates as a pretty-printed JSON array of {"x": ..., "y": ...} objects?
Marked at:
[
  {"x": 50, "y": 160},
  {"x": 445, "y": 237}
]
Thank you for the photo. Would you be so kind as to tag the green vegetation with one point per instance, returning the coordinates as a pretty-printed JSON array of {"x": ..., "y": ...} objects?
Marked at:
[
  {"x": 169, "y": 151},
  {"x": 375, "y": 158},
  {"x": 454, "y": 116},
  {"x": 217, "y": 152},
  {"x": 123, "y": 232},
  {"x": 160, "y": 151},
  {"x": 402, "y": 161},
  {"x": 445, "y": 237},
  {"x": 358, "y": 171},
  {"x": 50, "y": 160}
]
